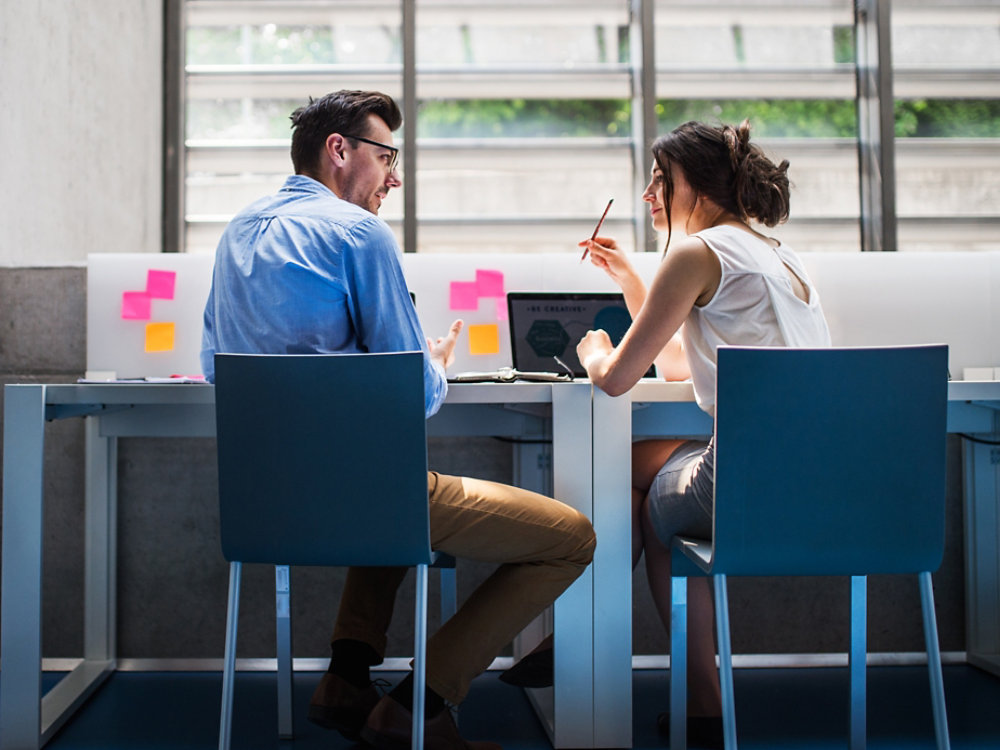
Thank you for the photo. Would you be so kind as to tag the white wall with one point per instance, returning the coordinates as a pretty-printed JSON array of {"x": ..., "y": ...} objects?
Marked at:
[{"x": 80, "y": 129}]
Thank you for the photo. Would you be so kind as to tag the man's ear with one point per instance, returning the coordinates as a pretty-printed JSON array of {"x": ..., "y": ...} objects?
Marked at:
[{"x": 336, "y": 147}]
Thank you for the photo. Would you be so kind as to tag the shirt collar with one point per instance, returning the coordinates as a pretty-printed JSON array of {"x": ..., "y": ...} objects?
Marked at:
[{"x": 302, "y": 183}]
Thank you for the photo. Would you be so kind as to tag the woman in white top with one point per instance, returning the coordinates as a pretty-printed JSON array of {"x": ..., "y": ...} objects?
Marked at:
[{"x": 722, "y": 283}]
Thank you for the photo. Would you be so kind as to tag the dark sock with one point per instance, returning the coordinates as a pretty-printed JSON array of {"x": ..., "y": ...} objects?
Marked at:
[
  {"x": 350, "y": 659},
  {"x": 403, "y": 695}
]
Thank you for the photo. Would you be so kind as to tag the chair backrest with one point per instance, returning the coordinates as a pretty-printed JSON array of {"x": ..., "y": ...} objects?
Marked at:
[
  {"x": 830, "y": 461},
  {"x": 322, "y": 459}
]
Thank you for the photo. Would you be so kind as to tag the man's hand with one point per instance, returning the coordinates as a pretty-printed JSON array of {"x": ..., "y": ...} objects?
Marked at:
[{"x": 443, "y": 350}]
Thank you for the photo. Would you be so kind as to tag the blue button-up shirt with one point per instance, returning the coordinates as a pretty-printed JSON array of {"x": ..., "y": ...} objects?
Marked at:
[{"x": 304, "y": 272}]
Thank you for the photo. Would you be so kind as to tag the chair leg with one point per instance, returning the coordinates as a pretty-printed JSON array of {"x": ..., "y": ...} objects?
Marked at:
[
  {"x": 420, "y": 658},
  {"x": 229, "y": 662},
  {"x": 449, "y": 594},
  {"x": 678, "y": 663},
  {"x": 725, "y": 662},
  {"x": 857, "y": 662},
  {"x": 934, "y": 661},
  {"x": 283, "y": 631}
]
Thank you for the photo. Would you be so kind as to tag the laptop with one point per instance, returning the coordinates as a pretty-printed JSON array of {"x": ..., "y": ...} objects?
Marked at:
[
  {"x": 546, "y": 325},
  {"x": 545, "y": 328}
]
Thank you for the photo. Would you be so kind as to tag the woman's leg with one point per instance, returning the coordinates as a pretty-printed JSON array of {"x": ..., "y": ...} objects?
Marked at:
[
  {"x": 648, "y": 457},
  {"x": 704, "y": 697}
]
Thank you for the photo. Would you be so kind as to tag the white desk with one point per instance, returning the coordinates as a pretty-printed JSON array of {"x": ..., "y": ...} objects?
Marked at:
[
  {"x": 656, "y": 408},
  {"x": 28, "y": 720}
]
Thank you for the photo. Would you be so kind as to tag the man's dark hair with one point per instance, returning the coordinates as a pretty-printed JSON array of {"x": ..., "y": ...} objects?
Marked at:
[{"x": 344, "y": 112}]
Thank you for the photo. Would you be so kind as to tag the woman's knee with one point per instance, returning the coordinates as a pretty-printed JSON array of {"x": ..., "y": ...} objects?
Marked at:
[{"x": 648, "y": 457}]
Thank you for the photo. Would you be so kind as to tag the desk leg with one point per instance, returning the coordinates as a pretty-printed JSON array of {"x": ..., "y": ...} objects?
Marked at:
[
  {"x": 21, "y": 608},
  {"x": 60, "y": 703},
  {"x": 612, "y": 571},
  {"x": 982, "y": 534},
  {"x": 101, "y": 544},
  {"x": 567, "y": 708}
]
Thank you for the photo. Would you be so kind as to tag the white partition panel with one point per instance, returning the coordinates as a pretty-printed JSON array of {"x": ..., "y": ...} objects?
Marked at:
[
  {"x": 912, "y": 298},
  {"x": 869, "y": 299},
  {"x": 144, "y": 313}
]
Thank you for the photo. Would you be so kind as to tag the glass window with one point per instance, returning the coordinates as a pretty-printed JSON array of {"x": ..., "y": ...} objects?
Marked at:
[
  {"x": 249, "y": 65},
  {"x": 526, "y": 112},
  {"x": 946, "y": 76},
  {"x": 788, "y": 68}
]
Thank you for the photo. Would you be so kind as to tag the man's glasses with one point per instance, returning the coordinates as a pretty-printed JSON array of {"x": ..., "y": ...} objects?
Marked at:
[{"x": 393, "y": 159}]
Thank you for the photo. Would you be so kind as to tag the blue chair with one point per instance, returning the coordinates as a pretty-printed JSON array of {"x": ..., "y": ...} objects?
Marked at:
[
  {"x": 322, "y": 461},
  {"x": 828, "y": 462}
]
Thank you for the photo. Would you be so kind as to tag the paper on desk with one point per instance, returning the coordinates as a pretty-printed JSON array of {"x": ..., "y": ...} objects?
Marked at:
[{"x": 171, "y": 379}]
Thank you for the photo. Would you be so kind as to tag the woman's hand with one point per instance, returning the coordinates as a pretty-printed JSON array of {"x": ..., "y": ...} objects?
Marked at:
[
  {"x": 606, "y": 255},
  {"x": 592, "y": 349}
]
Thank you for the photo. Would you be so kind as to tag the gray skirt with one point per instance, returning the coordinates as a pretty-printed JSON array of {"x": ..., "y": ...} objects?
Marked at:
[{"x": 681, "y": 496}]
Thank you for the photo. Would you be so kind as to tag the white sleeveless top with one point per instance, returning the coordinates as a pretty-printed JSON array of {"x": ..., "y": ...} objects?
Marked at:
[{"x": 753, "y": 306}]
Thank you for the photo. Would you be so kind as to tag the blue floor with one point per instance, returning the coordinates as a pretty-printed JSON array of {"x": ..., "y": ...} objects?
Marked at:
[{"x": 776, "y": 708}]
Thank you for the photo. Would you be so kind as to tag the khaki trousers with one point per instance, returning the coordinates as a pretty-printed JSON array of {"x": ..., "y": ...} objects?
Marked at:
[{"x": 541, "y": 547}]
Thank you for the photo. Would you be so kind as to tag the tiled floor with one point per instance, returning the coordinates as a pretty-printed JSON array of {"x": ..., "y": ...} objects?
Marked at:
[{"x": 776, "y": 708}]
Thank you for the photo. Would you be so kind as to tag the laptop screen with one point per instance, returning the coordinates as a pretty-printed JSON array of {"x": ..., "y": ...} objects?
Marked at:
[{"x": 544, "y": 325}]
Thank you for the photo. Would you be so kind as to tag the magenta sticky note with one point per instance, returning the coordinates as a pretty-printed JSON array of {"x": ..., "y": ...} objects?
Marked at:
[
  {"x": 160, "y": 284},
  {"x": 501, "y": 308},
  {"x": 136, "y": 306},
  {"x": 464, "y": 295},
  {"x": 490, "y": 283}
]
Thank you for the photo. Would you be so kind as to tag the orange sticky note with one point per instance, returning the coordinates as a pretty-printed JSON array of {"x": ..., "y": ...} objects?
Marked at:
[
  {"x": 159, "y": 337},
  {"x": 484, "y": 339}
]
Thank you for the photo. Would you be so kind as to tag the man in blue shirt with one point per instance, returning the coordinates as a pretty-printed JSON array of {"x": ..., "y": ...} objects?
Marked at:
[{"x": 314, "y": 270}]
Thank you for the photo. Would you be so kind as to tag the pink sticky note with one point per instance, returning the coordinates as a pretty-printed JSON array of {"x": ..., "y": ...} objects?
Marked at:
[
  {"x": 464, "y": 295},
  {"x": 490, "y": 283},
  {"x": 160, "y": 284},
  {"x": 501, "y": 308},
  {"x": 136, "y": 306}
]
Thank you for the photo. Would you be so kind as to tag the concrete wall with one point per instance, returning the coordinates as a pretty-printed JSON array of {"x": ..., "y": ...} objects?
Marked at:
[{"x": 80, "y": 129}]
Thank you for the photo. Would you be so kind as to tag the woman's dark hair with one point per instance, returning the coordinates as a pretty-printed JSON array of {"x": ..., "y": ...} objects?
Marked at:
[
  {"x": 344, "y": 112},
  {"x": 720, "y": 163}
]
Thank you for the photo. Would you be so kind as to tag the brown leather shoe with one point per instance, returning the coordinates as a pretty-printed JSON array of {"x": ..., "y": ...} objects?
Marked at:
[
  {"x": 389, "y": 727},
  {"x": 337, "y": 704}
]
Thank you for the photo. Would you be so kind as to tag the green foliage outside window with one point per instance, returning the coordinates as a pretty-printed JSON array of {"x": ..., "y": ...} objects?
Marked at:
[
  {"x": 524, "y": 118},
  {"x": 948, "y": 118},
  {"x": 527, "y": 118},
  {"x": 769, "y": 118}
]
